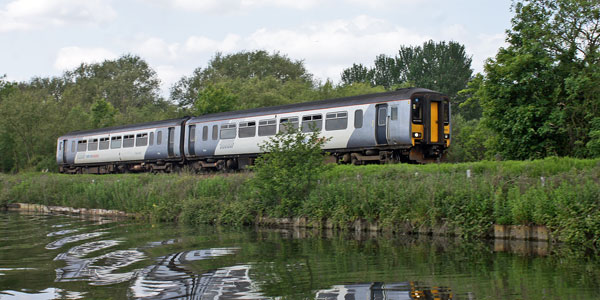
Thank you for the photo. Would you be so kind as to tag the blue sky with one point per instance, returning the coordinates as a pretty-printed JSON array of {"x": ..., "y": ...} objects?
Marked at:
[{"x": 47, "y": 37}]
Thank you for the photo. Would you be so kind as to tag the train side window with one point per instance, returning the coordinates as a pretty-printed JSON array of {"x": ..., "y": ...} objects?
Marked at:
[
  {"x": 247, "y": 129},
  {"x": 267, "y": 127},
  {"x": 417, "y": 111},
  {"x": 358, "y": 118},
  {"x": 394, "y": 113},
  {"x": 215, "y": 132},
  {"x": 93, "y": 145},
  {"x": 290, "y": 122},
  {"x": 312, "y": 123},
  {"x": 446, "y": 112},
  {"x": 128, "y": 141},
  {"x": 115, "y": 142},
  {"x": 192, "y": 134},
  {"x": 73, "y": 146},
  {"x": 151, "y": 138},
  {"x": 141, "y": 139},
  {"x": 104, "y": 143},
  {"x": 205, "y": 133},
  {"x": 159, "y": 137},
  {"x": 81, "y": 145},
  {"x": 228, "y": 131},
  {"x": 336, "y": 121}
]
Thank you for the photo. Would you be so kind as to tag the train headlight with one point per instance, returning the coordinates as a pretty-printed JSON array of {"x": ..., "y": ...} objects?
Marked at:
[
  {"x": 417, "y": 135},
  {"x": 446, "y": 136}
]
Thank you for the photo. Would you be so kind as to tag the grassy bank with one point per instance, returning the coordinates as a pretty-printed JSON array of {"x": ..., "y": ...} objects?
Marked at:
[{"x": 561, "y": 193}]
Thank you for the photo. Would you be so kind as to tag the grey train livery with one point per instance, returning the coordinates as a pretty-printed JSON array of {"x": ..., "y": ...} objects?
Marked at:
[{"x": 406, "y": 125}]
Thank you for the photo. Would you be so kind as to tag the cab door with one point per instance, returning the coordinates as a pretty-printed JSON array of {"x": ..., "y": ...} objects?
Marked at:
[{"x": 381, "y": 120}]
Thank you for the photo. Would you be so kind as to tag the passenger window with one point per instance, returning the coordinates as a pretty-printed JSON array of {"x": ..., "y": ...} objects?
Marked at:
[
  {"x": 115, "y": 142},
  {"x": 289, "y": 122},
  {"x": 104, "y": 143},
  {"x": 159, "y": 137},
  {"x": 267, "y": 127},
  {"x": 205, "y": 133},
  {"x": 336, "y": 121},
  {"x": 394, "y": 113},
  {"x": 151, "y": 138},
  {"x": 192, "y": 134},
  {"x": 141, "y": 139},
  {"x": 228, "y": 131},
  {"x": 247, "y": 129},
  {"x": 128, "y": 141},
  {"x": 215, "y": 132},
  {"x": 358, "y": 118},
  {"x": 312, "y": 123},
  {"x": 81, "y": 146},
  {"x": 417, "y": 112},
  {"x": 93, "y": 145}
]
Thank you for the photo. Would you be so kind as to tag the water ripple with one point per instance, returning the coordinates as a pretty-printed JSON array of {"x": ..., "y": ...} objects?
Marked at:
[{"x": 75, "y": 238}]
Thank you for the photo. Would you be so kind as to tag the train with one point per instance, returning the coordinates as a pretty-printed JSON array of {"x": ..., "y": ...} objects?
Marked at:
[{"x": 405, "y": 125}]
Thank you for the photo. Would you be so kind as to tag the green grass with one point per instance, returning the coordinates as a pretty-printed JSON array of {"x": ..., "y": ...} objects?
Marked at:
[{"x": 561, "y": 193}]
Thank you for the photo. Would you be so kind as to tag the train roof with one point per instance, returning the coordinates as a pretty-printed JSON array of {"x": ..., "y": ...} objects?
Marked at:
[
  {"x": 400, "y": 94},
  {"x": 139, "y": 126}
]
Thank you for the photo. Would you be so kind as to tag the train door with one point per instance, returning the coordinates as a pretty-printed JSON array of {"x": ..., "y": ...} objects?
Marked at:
[
  {"x": 64, "y": 151},
  {"x": 192, "y": 140},
  {"x": 171, "y": 142},
  {"x": 381, "y": 123},
  {"x": 434, "y": 122}
]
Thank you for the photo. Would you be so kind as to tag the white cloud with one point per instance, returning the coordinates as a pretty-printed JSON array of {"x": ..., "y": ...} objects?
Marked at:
[
  {"x": 236, "y": 6},
  {"x": 72, "y": 57},
  {"x": 157, "y": 48},
  {"x": 195, "y": 44},
  {"x": 34, "y": 14}
]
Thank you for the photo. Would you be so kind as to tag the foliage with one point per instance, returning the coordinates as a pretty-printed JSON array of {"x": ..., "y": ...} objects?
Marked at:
[
  {"x": 214, "y": 99},
  {"x": 288, "y": 171},
  {"x": 471, "y": 140}
]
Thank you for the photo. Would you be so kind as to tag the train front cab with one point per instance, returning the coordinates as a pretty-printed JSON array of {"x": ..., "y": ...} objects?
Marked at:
[{"x": 430, "y": 127}]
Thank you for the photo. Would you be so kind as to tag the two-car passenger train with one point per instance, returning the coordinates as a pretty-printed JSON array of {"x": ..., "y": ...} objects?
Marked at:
[{"x": 406, "y": 125}]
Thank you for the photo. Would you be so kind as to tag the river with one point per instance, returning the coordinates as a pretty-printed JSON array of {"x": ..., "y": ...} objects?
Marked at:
[{"x": 68, "y": 257}]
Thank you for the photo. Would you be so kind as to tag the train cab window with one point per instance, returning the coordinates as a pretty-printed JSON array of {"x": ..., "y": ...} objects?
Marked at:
[
  {"x": 81, "y": 146},
  {"x": 247, "y": 129},
  {"x": 228, "y": 131},
  {"x": 151, "y": 138},
  {"x": 215, "y": 132},
  {"x": 104, "y": 143},
  {"x": 446, "y": 112},
  {"x": 93, "y": 145},
  {"x": 141, "y": 139},
  {"x": 417, "y": 111},
  {"x": 358, "y": 118},
  {"x": 73, "y": 146},
  {"x": 192, "y": 134},
  {"x": 267, "y": 127},
  {"x": 290, "y": 122},
  {"x": 312, "y": 123},
  {"x": 128, "y": 141},
  {"x": 336, "y": 121},
  {"x": 115, "y": 142},
  {"x": 159, "y": 137},
  {"x": 205, "y": 133},
  {"x": 394, "y": 113}
]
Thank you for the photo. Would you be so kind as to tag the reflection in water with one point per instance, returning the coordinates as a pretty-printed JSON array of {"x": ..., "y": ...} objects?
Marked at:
[{"x": 384, "y": 291}]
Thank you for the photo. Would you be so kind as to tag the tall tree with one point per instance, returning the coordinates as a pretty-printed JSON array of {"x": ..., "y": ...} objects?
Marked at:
[{"x": 542, "y": 92}]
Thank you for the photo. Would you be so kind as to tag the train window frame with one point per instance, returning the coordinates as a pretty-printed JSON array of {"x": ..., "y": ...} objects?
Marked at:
[
  {"x": 104, "y": 143},
  {"x": 151, "y": 141},
  {"x": 115, "y": 142},
  {"x": 289, "y": 122},
  {"x": 159, "y": 137},
  {"x": 267, "y": 127},
  {"x": 128, "y": 141},
  {"x": 394, "y": 112},
  {"x": 358, "y": 118},
  {"x": 336, "y": 120},
  {"x": 215, "y": 132},
  {"x": 247, "y": 129},
  {"x": 228, "y": 131},
  {"x": 416, "y": 110},
  {"x": 81, "y": 145},
  {"x": 205, "y": 133},
  {"x": 92, "y": 145},
  {"x": 141, "y": 139},
  {"x": 382, "y": 119},
  {"x": 310, "y": 122},
  {"x": 192, "y": 134}
]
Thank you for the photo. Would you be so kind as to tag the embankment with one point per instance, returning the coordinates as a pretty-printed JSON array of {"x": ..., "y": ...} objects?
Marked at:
[{"x": 559, "y": 195}]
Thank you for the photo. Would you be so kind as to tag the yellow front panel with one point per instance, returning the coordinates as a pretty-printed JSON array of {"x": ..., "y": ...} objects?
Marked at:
[{"x": 434, "y": 122}]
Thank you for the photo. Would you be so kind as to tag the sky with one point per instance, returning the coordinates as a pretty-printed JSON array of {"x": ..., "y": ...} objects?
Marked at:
[{"x": 41, "y": 38}]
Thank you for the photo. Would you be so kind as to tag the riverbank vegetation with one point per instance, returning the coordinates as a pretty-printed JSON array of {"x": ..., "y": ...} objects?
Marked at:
[{"x": 561, "y": 193}]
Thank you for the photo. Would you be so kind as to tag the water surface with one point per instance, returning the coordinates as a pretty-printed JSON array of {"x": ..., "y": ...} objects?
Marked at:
[{"x": 66, "y": 257}]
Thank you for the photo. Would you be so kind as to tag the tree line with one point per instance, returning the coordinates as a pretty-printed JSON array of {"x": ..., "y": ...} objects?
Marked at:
[{"x": 539, "y": 96}]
